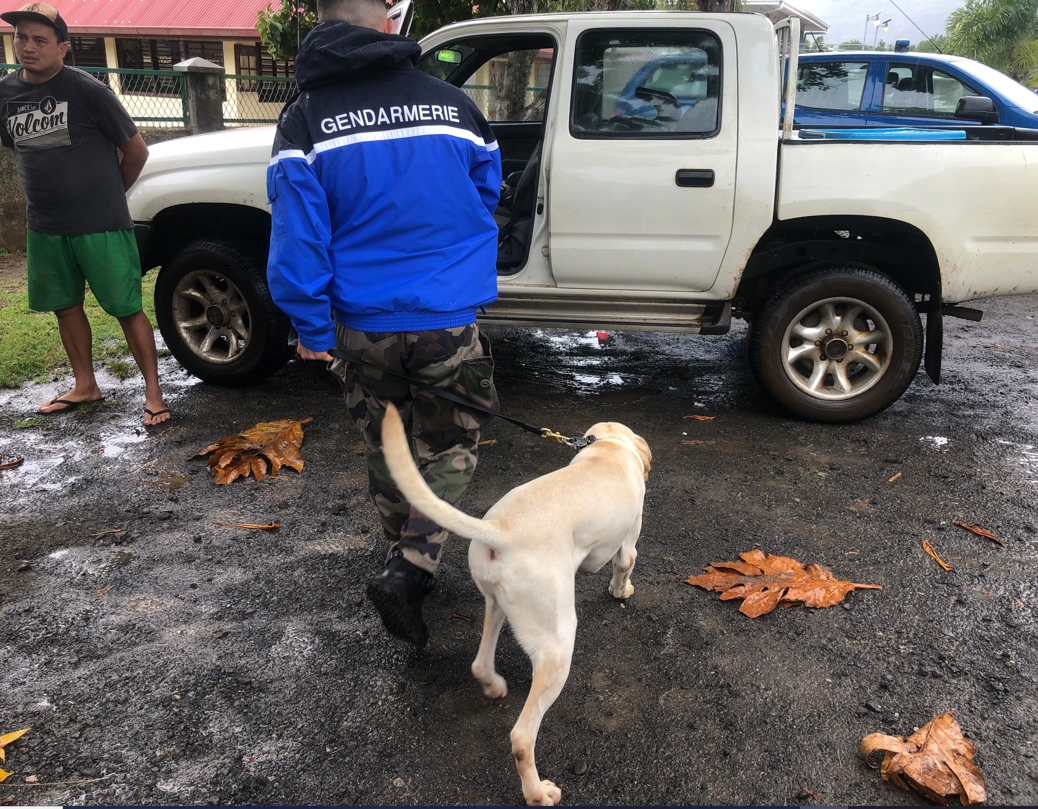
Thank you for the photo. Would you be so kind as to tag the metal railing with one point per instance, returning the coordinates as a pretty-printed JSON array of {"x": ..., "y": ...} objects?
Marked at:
[{"x": 152, "y": 97}]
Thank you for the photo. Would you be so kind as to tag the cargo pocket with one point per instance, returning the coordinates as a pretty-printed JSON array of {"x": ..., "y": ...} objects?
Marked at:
[{"x": 475, "y": 382}]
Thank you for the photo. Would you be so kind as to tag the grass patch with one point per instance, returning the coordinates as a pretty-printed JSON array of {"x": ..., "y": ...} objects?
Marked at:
[
  {"x": 30, "y": 347},
  {"x": 120, "y": 369},
  {"x": 35, "y": 421}
]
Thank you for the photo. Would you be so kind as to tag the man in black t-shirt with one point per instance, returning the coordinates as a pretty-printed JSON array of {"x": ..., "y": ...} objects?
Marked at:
[{"x": 66, "y": 129}]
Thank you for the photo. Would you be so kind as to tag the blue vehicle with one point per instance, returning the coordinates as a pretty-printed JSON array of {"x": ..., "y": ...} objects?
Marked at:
[
  {"x": 683, "y": 76},
  {"x": 903, "y": 89}
]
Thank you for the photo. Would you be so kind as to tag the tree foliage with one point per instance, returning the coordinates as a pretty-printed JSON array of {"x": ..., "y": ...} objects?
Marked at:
[
  {"x": 999, "y": 33},
  {"x": 285, "y": 23}
]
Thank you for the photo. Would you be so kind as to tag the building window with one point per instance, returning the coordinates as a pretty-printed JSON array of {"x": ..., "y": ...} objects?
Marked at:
[
  {"x": 131, "y": 54},
  {"x": 86, "y": 52},
  {"x": 211, "y": 51},
  {"x": 255, "y": 60}
]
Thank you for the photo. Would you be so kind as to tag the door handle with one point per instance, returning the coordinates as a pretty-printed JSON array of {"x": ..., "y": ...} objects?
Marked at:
[{"x": 695, "y": 178}]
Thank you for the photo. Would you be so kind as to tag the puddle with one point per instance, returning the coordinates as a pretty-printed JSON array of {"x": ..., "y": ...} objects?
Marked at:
[
  {"x": 115, "y": 444},
  {"x": 1028, "y": 460},
  {"x": 171, "y": 481}
]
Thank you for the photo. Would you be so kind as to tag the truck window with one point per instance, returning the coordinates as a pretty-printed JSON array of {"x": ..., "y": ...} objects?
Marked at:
[
  {"x": 922, "y": 91},
  {"x": 836, "y": 86},
  {"x": 509, "y": 85},
  {"x": 646, "y": 83}
]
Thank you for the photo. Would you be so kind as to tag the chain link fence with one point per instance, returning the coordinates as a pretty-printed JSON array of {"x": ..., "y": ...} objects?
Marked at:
[
  {"x": 158, "y": 98},
  {"x": 255, "y": 100},
  {"x": 488, "y": 99},
  {"x": 154, "y": 98}
]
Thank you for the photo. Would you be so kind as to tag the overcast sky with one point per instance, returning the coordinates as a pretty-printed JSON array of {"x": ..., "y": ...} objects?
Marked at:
[{"x": 846, "y": 18}]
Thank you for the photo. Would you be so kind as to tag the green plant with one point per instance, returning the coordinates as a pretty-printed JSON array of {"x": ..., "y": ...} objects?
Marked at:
[
  {"x": 120, "y": 369},
  {"x": 999, "y": 33},
  {"x": 35, "y": 421}
]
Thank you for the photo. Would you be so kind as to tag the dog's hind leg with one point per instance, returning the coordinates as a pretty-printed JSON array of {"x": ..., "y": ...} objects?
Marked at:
[
  {"x": 494, "y": 685},
  {"x": 551, "y": 663},
  {"x": 623, "y": 564}
]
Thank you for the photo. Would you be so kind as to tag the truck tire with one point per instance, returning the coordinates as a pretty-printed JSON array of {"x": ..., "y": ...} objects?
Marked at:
[
  {"x": 837, "y": 344},
  {"x": 216, "y": 315}
]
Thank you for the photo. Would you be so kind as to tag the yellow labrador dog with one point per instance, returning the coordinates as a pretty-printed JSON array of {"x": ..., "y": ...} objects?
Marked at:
[{"x": 525, "y": 553}]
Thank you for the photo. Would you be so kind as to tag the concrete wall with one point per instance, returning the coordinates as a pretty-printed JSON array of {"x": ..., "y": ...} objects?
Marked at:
[{"x": 12, "y": 198}]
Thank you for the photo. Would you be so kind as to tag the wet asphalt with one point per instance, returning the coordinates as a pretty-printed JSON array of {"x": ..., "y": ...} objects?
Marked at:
[{"x": 183, "y": 662}]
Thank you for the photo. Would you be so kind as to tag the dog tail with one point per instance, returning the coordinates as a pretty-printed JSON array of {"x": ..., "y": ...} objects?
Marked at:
[{"x": 402, "y": 467}]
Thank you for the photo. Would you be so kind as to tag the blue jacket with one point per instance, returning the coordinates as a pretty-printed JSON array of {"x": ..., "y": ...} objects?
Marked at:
[{"x": 382, "y": 185}]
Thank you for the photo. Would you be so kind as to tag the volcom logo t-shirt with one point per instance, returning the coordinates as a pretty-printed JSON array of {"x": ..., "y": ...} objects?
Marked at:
[
  {"x": 39, "y": 123},
  {"x": 64, "y": 133}
]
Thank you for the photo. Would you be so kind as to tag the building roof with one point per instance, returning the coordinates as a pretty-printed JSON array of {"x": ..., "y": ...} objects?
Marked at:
[
  {"x": 155, "y": 18},
  {"x": 778, "y": 10}
]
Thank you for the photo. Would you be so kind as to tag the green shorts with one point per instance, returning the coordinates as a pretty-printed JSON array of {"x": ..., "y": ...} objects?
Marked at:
[{"x": 61, "y": 266}]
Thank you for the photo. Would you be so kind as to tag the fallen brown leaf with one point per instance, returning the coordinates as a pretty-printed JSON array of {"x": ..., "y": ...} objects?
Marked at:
[
  {"x": 929, "y": 549},
  {"x": 764, "y": 582},
  {"x": 818, "y": 800},
  {"x": 891, "y": 480},
  {"x": 10, "y": 737},
  {"x": 109, "y": 531},
  {"x": 700, "y": 418},
  {"x": 980, "y": 532},
  {"x": 248, "y": 452},
  {"x": 936, "y": 760},
  {"x": 490, "y": 441},
  {"x": 12, "y": 464},
  {"x": 31, "y": 779},
  {"x": 103, "y": 590},
  {"x": 251, "y": 525},
  {"x": 462, "y": 617},
  {"x": 4, "y": 741},
  {"x": 697, "y": 441}
]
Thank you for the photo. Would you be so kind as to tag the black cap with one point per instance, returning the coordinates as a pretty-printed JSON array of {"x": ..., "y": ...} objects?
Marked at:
[{"x": 38, "y": 12}]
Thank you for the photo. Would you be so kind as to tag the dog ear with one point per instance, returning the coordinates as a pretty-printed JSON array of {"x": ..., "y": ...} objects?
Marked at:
[{"x": 646, "y": 454}]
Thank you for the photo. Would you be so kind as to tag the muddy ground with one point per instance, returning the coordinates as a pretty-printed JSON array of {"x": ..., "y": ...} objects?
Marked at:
[{"x": 187, "y": 663}]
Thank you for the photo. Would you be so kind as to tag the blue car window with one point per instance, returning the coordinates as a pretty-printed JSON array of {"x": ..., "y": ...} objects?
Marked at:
[
  {"x": 922, "y": 91},
  {"x": 834, "y": 86},
  {"x": 647, "y": 83}
]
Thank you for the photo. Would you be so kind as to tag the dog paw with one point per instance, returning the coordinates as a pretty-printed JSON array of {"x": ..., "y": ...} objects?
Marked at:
[
  {"x": 497, "y": 688},
  {"x": 627, "y": 592},
  {"x": 548, "y": 795}
]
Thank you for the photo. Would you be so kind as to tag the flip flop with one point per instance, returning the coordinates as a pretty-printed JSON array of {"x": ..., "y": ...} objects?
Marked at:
[
  {"x": 69, "y": 405},
  {"x": 158, "y": 413}
]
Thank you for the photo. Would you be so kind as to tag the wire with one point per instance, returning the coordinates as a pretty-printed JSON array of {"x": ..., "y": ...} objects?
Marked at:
[{"x": 917, "y": 28}]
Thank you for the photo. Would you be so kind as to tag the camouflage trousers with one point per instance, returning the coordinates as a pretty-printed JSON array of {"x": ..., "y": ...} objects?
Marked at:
[{"x": 457, "y": 360}]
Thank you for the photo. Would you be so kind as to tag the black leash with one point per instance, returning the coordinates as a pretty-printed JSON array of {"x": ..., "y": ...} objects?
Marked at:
[{"x": 577, "y": 443}]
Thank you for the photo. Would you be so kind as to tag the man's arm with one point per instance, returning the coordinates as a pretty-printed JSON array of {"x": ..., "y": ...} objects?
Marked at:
[
  {"x": 299, "y": 268},
  {"x": 485, "y": 171},
  {"x": 135, "y": 155}
]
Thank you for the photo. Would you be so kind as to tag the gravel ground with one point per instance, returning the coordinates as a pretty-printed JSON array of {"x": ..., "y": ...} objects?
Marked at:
[{"x": 181, "y": 662}]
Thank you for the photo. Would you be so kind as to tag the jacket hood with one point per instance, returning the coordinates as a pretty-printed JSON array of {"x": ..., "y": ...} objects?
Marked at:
[{"x": 336, "y": 50}]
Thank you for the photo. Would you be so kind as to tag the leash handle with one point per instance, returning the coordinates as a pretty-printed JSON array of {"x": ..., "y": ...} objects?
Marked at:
[{"x": 543, "y": 432}]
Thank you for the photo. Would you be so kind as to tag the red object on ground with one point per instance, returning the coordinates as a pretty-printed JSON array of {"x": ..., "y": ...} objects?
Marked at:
[{"x": 603, "y": 335}]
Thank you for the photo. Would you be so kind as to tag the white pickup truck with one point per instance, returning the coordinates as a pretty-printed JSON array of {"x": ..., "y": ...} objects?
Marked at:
[{"x": 652, "y": 187}]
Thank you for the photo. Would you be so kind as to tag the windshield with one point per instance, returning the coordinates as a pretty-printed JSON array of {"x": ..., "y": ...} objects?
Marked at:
[{"x": 1014, "y": 92}]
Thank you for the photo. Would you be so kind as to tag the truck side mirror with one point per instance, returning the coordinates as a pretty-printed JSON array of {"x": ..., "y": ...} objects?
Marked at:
[{"x": 977, "y": 108}]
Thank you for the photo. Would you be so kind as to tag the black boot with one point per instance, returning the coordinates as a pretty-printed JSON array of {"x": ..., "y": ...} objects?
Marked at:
[{"x": 397, "y": 594}]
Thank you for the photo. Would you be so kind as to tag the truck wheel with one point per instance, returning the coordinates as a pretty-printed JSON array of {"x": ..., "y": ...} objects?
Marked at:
[
  {"x": 217, "y": 317},
  {"x": 837, "y": 345}
]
